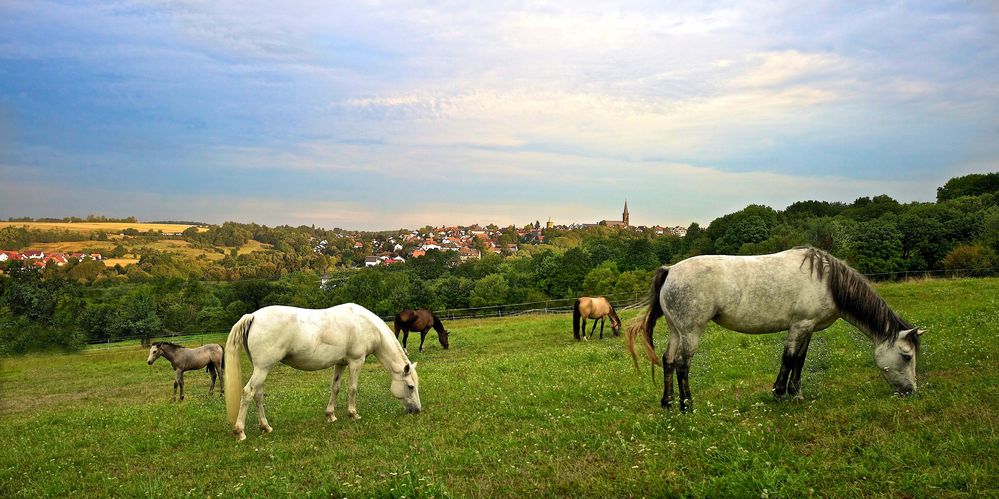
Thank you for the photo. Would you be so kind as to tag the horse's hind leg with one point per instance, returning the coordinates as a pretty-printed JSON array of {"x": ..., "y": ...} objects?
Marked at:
[
  {"x": 669, "y": 368},
  {"x": 405, "y": 338},
  {"x": 601, "y": 328},
  {"x": 594, "y": 328},
  {"x": 334, "y": 391},
  {"x": 253, "y": 391},
  {"x": 211, "y": 372},
  {"x": 679, "y": 352}
]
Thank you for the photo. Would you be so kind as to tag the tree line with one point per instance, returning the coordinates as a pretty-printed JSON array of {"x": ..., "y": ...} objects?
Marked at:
[{"x": 166, "y": 293}]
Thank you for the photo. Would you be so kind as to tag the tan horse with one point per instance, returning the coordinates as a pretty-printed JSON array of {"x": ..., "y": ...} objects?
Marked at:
[
  {"x": 596, "y": 308},
  {"x": 188, "y": 359}
]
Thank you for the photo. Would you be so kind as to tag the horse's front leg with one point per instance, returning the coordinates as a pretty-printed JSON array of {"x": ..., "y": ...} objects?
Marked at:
[
  {"x": 601, "y": 328},
  {"x": 798, "y": 337},
  {"x": 355, "y": 371},
  {"x": 794, "y": 383},
  {"x": 423, "y": 337},
  {"x": 334, "y": 391},
  {"x": 178, "y": 383}
]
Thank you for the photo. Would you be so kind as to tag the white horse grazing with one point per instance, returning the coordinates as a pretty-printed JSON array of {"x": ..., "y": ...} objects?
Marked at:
[
  {"x": 309, "y": 340},
  {"x": 800, "y": 291}
]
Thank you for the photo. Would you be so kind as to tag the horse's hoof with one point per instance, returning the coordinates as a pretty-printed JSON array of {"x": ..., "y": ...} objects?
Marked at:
[
  {"x": 240, "y": 436},
  {"x": 266, "y": 429},
  {"x": 355, "y": 416},
  {"x": 330, "y": 418}
]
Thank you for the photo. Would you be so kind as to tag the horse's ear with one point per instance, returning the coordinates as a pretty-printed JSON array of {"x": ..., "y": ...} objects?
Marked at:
[
  {"x": 919, "y": 332},
  {"x": 907, "y": 332},
  {"x": 405, "y": 370},
  {"x": 414, "y": 365}
]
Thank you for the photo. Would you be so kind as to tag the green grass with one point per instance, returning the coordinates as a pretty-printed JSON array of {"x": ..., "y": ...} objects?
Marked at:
[{"x": 517, "y": 408}]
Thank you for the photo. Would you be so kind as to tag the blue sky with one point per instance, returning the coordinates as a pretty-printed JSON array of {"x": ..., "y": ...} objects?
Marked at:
[{"x": 380, "y": 115}]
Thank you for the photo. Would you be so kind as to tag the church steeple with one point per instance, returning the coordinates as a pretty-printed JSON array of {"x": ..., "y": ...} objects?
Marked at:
[{"x": 624, "y": 216}]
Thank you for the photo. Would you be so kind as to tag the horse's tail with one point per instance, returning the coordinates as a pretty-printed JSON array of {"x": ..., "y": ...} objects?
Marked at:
[
  {"x": 233, "y": 344},
  {"x": 648, "y": 322},
  {"x": 575, "y": 318}
]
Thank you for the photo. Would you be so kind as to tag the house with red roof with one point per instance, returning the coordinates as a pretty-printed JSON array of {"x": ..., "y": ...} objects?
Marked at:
[{"x": 10, "y": 255}]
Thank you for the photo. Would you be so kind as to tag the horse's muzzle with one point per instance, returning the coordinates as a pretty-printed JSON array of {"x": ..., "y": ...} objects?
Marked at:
[
  {"x": 149, "y": 362},
  {"x": 413, "y": 410}
]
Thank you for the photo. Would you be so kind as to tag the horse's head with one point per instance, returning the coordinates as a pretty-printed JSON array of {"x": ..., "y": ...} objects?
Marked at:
[
  {"x": 897, "y": 360},
  {"x": 154, "y": 353},
  {"x": 442, "y": 336},
  {"x": 615, "y": 321},
  {"x": 406, "y": 387}
]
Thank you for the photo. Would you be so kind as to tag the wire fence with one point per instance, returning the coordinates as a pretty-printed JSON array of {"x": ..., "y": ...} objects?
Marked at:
[{"x": 621, "y": 301}]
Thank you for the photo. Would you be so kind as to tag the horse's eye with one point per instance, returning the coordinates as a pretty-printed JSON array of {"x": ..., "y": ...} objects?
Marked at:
[
  {"x": 410, "y": 386},
  {"x": 906, "y": 356}
]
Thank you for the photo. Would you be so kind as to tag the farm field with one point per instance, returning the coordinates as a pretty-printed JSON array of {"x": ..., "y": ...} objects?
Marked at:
[
  {"x": 176, "y": 246},
  {"x": 88, "y": 227},
  {"x": 517, "y": 408}
]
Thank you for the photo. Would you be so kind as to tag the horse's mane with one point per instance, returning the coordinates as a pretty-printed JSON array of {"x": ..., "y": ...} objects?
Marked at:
[
  {"x": 437, "y": 320},
  {"x": 855, "y": 298},
  {"x": 167, "y": 344}
]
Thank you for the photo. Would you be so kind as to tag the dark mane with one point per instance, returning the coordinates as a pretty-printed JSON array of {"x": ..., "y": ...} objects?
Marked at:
[
  {"x": 438, "y": 325},
  {"x": 167, "y": 344},
  {"x": 856, "y": 299}
]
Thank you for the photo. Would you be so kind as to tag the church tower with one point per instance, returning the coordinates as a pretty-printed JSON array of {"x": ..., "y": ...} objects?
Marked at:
[
  {"x": 624, "y": 216},
  {"x": 549, "y": 224}
]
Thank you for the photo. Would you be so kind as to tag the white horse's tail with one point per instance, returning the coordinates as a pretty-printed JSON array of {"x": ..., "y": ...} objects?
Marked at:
[{"x": 233, "y": 378}]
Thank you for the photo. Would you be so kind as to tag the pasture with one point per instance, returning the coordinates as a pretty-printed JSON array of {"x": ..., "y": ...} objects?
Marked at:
[{"x": 516, "y": 407}]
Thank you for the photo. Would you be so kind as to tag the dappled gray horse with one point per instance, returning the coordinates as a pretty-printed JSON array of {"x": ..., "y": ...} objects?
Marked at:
[
  {"x": 188, "y": 359},
  {"x": 800, "y": 291}
]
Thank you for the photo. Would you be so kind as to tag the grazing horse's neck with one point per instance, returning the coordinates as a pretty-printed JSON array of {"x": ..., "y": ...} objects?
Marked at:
[
  {"x": 438, "y": 325},
  {"x": 614, "y": 318},
  {"x": 389, "y": 352}
]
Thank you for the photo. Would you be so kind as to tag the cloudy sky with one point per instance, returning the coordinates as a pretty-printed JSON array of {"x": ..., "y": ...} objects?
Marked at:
[{"x": 381, "y": 115}]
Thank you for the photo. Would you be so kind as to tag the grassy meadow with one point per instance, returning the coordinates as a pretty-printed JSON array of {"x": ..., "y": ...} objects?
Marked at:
[{"x": 517, "y": 408}]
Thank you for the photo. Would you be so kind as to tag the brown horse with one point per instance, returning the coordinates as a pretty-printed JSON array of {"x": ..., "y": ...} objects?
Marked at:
[
  {"x": 420, "y": 320},
  {"x": 188, "y": 359},
  {"x": 597, "y": 309}
]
